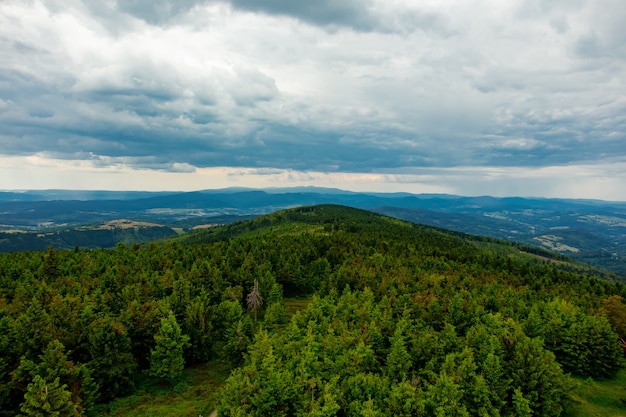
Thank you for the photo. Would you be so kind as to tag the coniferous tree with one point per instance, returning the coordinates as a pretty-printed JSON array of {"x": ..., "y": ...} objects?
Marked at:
[
  {"x": 53, "y": 364},
  {"x": 50, "y": 265},
  {"x": 197, "y": 324},
  {"x": 112, "y": 362},
  {"x": 166, "y": 359},
  {"x": 398, "y": 359},
  {"x": 48, "y": 399},
  {"x": 8, "y": 360}
]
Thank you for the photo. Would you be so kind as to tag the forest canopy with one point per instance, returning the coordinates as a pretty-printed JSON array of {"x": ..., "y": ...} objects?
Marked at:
[{"x": 405, "y": 320}]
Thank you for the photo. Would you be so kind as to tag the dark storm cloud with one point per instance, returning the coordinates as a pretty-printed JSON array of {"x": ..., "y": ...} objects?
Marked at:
[
  {"x": 157, "y": 11},
  {"x": 355, "y": 14}
]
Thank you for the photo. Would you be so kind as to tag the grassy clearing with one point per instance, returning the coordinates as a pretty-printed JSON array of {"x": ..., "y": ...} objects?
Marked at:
[
  {"x": 600, "y": 398},
  {"x": 294, "y": 304},
  {"x": 195, "y": 395}
]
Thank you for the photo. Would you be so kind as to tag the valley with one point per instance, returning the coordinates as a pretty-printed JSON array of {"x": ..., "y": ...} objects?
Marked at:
[{"x": 590, "y": 231}]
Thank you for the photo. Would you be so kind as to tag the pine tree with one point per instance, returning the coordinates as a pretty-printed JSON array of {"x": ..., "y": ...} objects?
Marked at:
[{"x": 166, "y": 359}]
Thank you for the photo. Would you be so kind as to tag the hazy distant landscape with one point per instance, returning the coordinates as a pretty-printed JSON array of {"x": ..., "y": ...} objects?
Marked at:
[{"x": 591, "y": 231}]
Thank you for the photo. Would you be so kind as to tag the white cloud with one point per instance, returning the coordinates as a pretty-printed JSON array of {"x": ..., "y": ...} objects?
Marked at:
[{"x": 319, "y": 87}]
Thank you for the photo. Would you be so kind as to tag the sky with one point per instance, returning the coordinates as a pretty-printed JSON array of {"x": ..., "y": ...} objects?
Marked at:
[{"x": 475, "y": 97}]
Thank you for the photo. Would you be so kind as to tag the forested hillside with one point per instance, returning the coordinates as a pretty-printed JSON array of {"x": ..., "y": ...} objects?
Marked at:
[
  {"x": 589, "y": 231},
  {"x": 405, "y": 320}
]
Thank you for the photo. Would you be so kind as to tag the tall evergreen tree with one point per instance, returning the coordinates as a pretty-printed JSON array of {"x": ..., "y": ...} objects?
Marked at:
[
  {"x": 112, "y": 362},
  {"x": 166, "y": 359}
]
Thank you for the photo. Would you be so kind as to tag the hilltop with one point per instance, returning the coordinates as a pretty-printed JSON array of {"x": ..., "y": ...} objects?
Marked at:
[
  {"x": 587, "y": 230},
  {"x": 393, "y": 318}
]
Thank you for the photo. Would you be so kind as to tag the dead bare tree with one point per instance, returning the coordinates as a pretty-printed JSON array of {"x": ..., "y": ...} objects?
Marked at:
[{"x": 254, "y": 299}]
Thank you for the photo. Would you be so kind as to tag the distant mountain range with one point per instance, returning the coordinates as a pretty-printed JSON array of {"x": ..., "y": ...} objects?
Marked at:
[{"x": 592, "y": 231}]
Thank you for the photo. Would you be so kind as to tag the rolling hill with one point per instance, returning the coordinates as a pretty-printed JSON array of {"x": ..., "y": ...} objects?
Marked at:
[
  {"x": 587, "y": 230},
  {"x": 395, "y": 318}
]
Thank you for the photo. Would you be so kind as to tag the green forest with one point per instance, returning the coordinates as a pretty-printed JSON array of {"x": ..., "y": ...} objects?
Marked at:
[{"x": 397, "y": 319}]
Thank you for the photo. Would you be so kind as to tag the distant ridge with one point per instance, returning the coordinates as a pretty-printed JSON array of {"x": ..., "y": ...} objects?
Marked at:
[{"x": 589, "y": 230}]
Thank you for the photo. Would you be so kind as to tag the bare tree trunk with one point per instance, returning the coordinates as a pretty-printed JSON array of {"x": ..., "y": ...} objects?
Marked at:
[{"x": 254, "y": 299}]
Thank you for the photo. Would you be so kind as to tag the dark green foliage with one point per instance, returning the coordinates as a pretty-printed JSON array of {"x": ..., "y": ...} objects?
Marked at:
[
  {"x": 198, "y": 326},
  {"x": 83, "y": 237},
  {"x": 406, "y": 320},
  {"x": 54, "y": 364},
  {"x": 112, "y": 362},
  {"x": 583, "y": 344}
]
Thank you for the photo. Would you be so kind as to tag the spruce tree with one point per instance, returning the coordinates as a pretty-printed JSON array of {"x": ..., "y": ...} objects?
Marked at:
[
  {"x": 112, "y": 363},
  {"x": 166, "y": 359},
  {"x": 48, "y": 399}
]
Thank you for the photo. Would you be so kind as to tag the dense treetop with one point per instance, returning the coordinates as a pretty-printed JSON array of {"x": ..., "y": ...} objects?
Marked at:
[{"x": 405, "y": 320}]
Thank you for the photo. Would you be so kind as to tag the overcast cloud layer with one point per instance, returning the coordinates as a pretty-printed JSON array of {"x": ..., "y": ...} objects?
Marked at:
[{"x": 531, "y": 93}]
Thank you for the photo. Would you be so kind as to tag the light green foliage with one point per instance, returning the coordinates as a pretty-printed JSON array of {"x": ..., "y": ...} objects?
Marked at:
[
  {"x": 33, "y": 329},
  {"x": 238, "y": 337},
  {"x": 521, "y": 406},
  {"x": 166, "y": 359},
  {"x": 444, "y": 398},
  {"x": 398, "y": 359},
  {"x": 48, "y": 399},
  {"x": 326, "y": 404},
  {"x": 406, "y": 400},
  {"x": 330, "y": 344},
  {"x": 537, "y": 375},
  {"x": 274, "y": 315},
  {"x": 263, "y": 384}
]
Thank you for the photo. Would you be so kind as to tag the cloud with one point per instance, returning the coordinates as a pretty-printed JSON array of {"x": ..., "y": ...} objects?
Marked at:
[
  {"x": 354, "y": 14},
  {"x": 354, "y": 87},
  {"x": 156, "y": 11}
]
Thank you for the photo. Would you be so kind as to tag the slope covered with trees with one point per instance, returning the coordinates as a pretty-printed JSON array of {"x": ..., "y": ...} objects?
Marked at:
[{"x": 405, "y": 320}]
